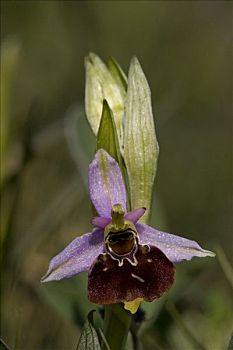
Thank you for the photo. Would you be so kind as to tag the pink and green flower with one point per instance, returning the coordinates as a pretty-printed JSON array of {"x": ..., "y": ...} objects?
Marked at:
[{"x": 127, "y": 261}]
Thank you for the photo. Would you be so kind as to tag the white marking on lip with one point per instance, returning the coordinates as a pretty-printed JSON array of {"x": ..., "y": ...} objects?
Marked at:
[
  {"x": 137, "y": 277},
  {"x": 149, "y": 260},
  {"x": 120, "y": 262},
  {"x": 134, "y": 262}
]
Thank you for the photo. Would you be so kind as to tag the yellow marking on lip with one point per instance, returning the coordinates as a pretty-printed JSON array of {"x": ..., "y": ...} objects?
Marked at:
[{"x": 133, "y": 305}]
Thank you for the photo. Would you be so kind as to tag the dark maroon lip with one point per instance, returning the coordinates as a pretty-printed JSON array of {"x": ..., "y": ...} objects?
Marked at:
[{"x": 152, "y": 276}]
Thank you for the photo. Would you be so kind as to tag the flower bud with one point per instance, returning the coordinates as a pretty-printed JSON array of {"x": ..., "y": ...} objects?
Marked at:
[{"x": 104, "y": 83}]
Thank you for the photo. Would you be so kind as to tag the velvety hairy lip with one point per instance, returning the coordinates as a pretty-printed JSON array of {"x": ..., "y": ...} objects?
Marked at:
[{"x": 149, "y": 279}]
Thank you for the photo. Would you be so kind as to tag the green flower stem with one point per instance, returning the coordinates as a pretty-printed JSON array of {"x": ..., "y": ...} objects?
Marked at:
[{"x": 117, "y": 322}]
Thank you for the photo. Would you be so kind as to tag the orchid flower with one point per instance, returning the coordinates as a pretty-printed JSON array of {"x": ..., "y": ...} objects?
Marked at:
[{"x": 127, "y": 261}]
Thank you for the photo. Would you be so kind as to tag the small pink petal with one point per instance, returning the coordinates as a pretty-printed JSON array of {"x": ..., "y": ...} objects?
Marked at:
[
  {"x": 100, "y": 222},
  {"x": 135, "y": 215}
]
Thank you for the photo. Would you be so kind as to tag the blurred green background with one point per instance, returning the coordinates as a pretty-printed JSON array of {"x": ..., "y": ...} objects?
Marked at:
[{"x": 185, "y": 49}]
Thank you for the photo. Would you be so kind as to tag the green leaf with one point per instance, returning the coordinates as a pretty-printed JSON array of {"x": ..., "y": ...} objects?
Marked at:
[
  {"x": 89, "y": 338},
  {"x": 140, "y": 144}
]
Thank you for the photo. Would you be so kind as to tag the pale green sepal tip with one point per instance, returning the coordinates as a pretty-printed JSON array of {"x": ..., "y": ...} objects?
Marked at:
[
  {"x": 209, "y": 253},
  {"x": 140, "y": 144}
]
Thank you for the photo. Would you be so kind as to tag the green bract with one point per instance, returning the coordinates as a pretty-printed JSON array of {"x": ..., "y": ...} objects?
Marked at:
[
  {"x": 104, "y": 83},
  {"x": 107, "y": 134},
  {"x": 140, "y": 144}
]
